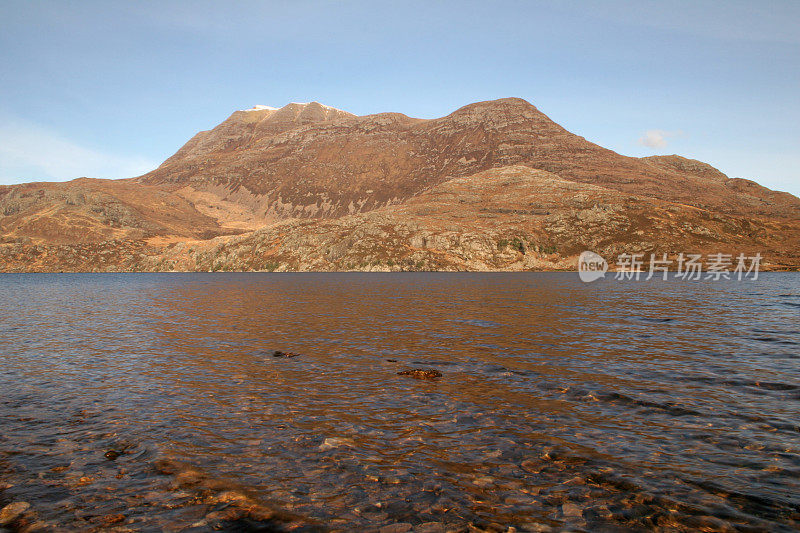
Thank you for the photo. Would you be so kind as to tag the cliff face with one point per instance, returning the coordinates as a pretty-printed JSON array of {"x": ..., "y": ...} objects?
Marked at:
[{"x": 494, "y": 185}]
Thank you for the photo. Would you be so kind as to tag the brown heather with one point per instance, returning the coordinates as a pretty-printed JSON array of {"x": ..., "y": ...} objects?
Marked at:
[{"x": 493, "y": 186}]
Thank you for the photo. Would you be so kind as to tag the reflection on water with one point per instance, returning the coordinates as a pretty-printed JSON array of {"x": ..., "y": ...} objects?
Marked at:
[{"x": 611, "y": 406}]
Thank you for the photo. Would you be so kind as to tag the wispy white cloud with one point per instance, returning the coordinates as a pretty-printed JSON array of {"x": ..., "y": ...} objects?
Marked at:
[
  {"x": 657, "y": 139},
  {"x": 30, "y": 153}
]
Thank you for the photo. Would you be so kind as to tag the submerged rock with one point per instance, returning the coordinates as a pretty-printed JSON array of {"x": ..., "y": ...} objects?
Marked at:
[
  {"x": 10, "y": 513},
  {"x": 278, "y": 353},
  {"x": 231, "y": 508},
  {"x": 430, "y": 527},
  {"x": 571, "y": 510},
  {"x": 112, "y": 519},
  {"x": 400, "y": 527},
  {"x": 335, "y": 442},
  {"x": 421, "y": 373}
]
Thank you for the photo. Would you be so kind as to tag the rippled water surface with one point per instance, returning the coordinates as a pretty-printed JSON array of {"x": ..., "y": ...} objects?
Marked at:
[{"x": 614, "y": 406}]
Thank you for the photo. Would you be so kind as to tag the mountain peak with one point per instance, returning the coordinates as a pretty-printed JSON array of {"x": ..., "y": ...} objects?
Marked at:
[
  {"x": 501, "y": 107},
  {"x": 315, "y": 103},
  {"x": 294, "y": 106},
  {"x": 261, "y": 108},
  {"x": 308, "y": 159},
  {"x": 491, "y": 171}
]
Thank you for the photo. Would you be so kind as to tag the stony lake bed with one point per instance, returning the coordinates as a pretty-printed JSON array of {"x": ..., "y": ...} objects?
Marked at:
[{"x": 398, "y": 402}]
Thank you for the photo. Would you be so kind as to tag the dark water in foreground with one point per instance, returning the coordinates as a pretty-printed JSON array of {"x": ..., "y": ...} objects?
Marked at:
[{"x": 605, "y": 407}]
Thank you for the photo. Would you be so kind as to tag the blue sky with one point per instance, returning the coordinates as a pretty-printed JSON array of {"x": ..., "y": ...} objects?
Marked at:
[{"x": 111, "y": 89}]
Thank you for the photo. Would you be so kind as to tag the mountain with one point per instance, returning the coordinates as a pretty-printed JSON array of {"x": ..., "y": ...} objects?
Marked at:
[{"x": 494, "y": 185}]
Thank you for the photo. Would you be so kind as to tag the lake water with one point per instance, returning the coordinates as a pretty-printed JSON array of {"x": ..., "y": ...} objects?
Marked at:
[{"x": 612, "y": 406}]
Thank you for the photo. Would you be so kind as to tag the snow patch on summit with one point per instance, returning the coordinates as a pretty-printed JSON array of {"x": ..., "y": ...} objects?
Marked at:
[
  {"x": 323, "y": 105},
  {"x": 269, "y": 108},
  {"x": 261, "y": 108}
]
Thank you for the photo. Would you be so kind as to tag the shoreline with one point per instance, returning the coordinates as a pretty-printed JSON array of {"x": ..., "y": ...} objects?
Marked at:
[{"x": 642, "y": 274}]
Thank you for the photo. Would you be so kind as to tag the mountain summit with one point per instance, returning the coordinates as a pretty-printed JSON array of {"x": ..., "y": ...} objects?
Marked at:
[{"x": 316, "y": 176}]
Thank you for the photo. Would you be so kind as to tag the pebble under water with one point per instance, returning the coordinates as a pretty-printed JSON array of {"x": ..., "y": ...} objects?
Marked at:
[{"x": 290, "y": 402}]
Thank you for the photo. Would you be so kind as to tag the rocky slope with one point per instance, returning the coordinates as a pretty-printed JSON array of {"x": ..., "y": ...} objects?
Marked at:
[
  {"x": 493, "y": 186},
  {"x": 91, "y": 211}
]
